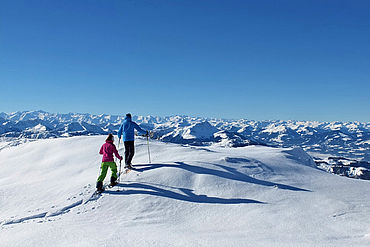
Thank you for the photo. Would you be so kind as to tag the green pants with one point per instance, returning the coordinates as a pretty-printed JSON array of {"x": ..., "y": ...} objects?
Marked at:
[{"x": 104, "y": 169}]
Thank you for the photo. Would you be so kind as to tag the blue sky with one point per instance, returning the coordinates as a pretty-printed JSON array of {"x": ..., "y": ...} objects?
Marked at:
[{"x": 301, "y": 60}]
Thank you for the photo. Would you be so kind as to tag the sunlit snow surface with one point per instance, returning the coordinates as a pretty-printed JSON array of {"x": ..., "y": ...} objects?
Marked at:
[{"x": 188, "y": 196}]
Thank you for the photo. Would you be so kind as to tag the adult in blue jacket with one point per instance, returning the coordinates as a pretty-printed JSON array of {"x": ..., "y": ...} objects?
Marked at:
[{"x": 127, "y": 131}]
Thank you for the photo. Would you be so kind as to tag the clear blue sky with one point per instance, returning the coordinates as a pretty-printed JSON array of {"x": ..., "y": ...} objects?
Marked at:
[{"x": 301, "y": 60}]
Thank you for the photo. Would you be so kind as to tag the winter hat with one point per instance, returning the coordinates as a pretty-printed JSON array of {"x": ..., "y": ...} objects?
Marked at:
[{"x": 110, "y": 137}]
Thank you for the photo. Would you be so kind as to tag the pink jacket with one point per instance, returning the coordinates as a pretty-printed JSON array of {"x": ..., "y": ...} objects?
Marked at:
[{"x": 107, "y": 151}]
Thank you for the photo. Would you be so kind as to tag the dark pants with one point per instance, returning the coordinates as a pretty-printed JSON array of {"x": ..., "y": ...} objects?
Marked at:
[{"x": 129, "y": 151}]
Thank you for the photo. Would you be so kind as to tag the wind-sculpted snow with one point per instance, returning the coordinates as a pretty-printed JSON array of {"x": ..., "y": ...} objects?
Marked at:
[{"x": 347, "y": 139}]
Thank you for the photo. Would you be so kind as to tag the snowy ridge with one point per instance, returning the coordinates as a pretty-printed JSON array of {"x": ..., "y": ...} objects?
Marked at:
[
  {"x": 188, "y": 196},
  {"x": 350, "y": 140},
  {"x": 345, "y": 167}
]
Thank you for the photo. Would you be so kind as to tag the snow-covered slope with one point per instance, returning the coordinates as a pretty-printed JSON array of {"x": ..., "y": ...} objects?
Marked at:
[{"x": 188, "y": 196}]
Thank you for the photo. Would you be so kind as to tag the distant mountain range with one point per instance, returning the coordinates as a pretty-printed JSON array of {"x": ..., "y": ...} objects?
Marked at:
[{"x": 346, "y": 139}]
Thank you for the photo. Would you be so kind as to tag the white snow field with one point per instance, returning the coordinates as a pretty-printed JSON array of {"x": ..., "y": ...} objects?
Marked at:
[{"x": 188, "y": 196}]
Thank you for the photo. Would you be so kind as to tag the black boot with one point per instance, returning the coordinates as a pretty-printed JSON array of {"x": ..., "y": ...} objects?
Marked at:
[
  {"x": 99, "y": 186},
  {"x": 129, "y": 166},
  {"x": 113, "y": 181}
]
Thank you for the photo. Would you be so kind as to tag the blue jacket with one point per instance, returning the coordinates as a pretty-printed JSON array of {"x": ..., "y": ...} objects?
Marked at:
[{"x": 127, "y": 130}]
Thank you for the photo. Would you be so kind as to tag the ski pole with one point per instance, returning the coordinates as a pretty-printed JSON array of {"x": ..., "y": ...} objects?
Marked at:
[
  {"x": 119, "y": 174},
  {"x": 147, "y": 138},
  {"x": 119, "y": 177},
  {"x": 115, "y": 158}
]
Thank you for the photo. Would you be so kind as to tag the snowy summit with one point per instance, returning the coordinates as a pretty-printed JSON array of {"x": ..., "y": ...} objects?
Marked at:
[{"x": 187, "y": 196}]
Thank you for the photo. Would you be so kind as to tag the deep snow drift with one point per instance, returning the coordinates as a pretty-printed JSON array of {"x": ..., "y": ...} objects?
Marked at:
[{"x": 188, "y": 196}]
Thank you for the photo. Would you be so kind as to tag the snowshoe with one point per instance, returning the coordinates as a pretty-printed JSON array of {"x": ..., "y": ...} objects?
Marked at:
[
  {"x": 129, "y": 166},
  {"x": 112, "y": 184},
  {"x": 100, "y": 190}
]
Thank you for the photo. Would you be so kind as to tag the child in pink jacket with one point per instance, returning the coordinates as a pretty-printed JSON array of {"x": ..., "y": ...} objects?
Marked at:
[{"x": 107, "y": 150}]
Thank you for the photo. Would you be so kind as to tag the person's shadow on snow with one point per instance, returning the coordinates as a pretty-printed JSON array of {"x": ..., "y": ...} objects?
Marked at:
[
  {"x": 188, "y": 195},
  {"x": 228, "y": 173},
  {"x": 183, "y": 194}
]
